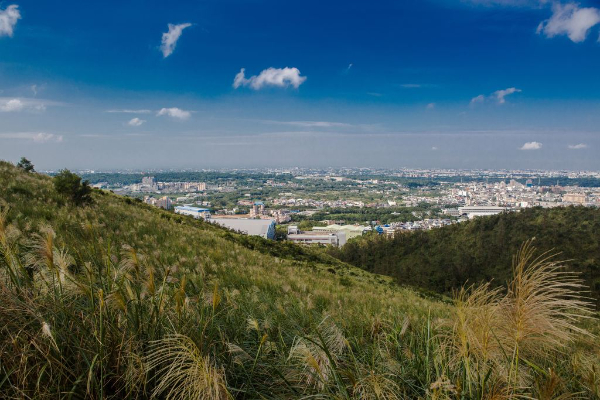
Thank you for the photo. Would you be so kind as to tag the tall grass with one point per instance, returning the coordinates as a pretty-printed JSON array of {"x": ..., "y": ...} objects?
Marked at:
[{"x": 118, "y": 300}]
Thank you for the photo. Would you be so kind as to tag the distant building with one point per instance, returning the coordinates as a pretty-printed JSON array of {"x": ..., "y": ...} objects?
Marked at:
[
  {"x": 148, "y": 181},
  {"x": 575, "y": 198},
  {"x": 150, "y": 200},
  {"x": 453, "y": 212},
  {"x": 351, "y": 231},
  {"x": 337, "y": 239},
  {"x": 196, "y": 212},
  {"x": 258, "y": 209},
  {"x": 480, "y": 211},
  {"x": 164, "y": 202},
  {"x": 253, "y": 227}
]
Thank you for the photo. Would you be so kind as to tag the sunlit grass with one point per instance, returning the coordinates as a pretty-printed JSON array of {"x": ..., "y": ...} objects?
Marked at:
[{"x": 119, "y": 300}]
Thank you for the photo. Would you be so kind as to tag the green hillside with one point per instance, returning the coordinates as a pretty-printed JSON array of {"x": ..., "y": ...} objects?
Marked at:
[
  {"x": 116, "y": 299},
  {"x": 444, "y": 259}
]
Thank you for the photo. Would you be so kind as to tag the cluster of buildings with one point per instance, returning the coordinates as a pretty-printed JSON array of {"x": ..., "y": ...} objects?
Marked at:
[
  {"x": 517, "y": 195},
  {"x": 149, "y": 184}
]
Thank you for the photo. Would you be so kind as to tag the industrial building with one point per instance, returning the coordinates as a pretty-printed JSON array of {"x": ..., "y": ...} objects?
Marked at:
[
  {"x": 480, "y": 211},
  {"x": 198, "y": 213},
  {"x": 254, "y": 227},
  {"x": 337, "y": 239},
  {"x": 350, "y": 231}
]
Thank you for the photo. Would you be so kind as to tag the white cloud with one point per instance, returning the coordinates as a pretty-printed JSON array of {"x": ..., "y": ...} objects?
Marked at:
[
  {"x": 430, "y": 106},
  {"x": 279, "y": 77},
  {"x": 37, "y": 137},
  {"x": 170, "y": 38},
  {"x": 174, "y": 112},
  {"x": 501, "y": 94},
  {"x": 434, "y": 148},
  {"x": 11, "y": 105},
  {"x": 477, "y": 99},
  {"x": 136, "y": 122},
  {"x": 569, "y": 19},
  {"x": 8, "y": 104},
  {"x": 8, "y": 20},
  {"x": 127, "y": 111},
  {"x": 578, "y": 146},
  {"x": 317, "y": 124},
  {"x": 498, "y": 95},
  {"x": 531, "y": 146}
]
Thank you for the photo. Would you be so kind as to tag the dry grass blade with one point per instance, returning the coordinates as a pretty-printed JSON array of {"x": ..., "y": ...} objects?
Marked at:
[
  {"x": 543, "y": 305},
  {"x": 183, "y": 372}
]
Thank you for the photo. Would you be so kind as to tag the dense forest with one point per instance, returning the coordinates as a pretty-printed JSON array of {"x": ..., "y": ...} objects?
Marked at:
[{"x": 444, "y": 259}]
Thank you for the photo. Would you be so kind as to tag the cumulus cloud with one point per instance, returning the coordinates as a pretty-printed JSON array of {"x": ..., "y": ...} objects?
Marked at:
[
  {"x": 278, "y": 77},
  {"x": 136, "y": 122},
  {"x": 23, "y": 104},
  {"x": 498, "y": 95},
  {"x": 37, "y": 137},
  {"x": 11, "y": 105},
  {"x": 531, "y": 146},
  {"x": 578, "y": 146},
  {"x": 569, "y": 19},
  {"x": 170, "y": 38},
  {"x": 174, "y": 112},
  {"x": 127, "y": 111},
  {"x": 8, "y": 20}
]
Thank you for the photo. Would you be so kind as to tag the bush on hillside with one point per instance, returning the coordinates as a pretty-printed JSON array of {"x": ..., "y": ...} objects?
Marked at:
[
  {"x": 70, "y": 185},
  {"x": 25, "y": 165}
]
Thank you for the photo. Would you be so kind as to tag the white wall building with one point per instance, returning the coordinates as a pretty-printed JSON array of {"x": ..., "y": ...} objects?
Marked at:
[{"x": 198, "y": 213}]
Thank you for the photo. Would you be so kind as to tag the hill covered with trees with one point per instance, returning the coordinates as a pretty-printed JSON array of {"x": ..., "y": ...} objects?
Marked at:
[
  {"x": 109, "y": 298},
  {"x": 444, "y": 259}
]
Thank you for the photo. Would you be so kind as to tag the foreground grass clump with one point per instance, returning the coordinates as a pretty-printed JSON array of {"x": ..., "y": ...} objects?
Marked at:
[{"x": 119, "y": 300}]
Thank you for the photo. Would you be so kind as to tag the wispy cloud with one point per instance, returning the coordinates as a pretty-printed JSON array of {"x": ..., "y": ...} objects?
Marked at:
[
  {"x": 499, "y": 96},
  {"x": 136, "y": 122},
  {"x": 174, "y": 112},
  {"x": 170, "y": 38},
  {"x": 531, "y": 146},
  {"x": 411, "y": 85},
  {"x": 430, "y": 106},
  {"x": 8, "y": 20},
  {"x": 37, "y": 137},
  {"x": 311, "y": 124},
  {"x": 477, "y": 99},
  {"x": 277, "y": 77},
  {"x": 578, "y": 146},
  {"x": 570, "y": 20},
  {"x": 127, "y": 111}
]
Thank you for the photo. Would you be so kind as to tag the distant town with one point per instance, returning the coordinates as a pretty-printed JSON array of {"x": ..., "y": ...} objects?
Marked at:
[{"x": 332, "y": 206}]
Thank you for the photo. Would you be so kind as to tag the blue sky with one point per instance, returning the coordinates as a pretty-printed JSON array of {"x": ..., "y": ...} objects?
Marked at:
[{"x": 432, "y": 83}]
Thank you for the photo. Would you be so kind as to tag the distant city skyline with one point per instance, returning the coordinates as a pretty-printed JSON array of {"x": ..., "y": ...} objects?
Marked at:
[{"x": 496, "y": 84}]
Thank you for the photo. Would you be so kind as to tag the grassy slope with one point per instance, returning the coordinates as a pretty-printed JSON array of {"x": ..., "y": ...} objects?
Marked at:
[
  {"x": 286, "y": 297},
  {"x": 280, "y": 322},
  {"x": 481, "y": 250}
]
